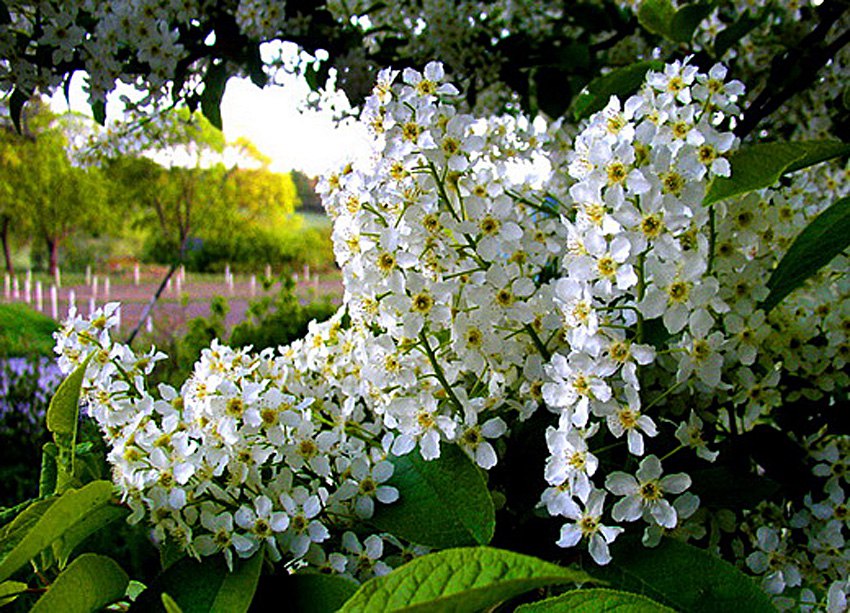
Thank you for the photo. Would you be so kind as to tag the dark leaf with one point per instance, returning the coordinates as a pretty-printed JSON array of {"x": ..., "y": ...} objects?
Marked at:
[
  {"x": 621, "y": 82},
  {"x": 826, "y": 236},
  {"x": 204, "y": 586},
  {"x": 687, "y": 19},
  {"x": 730, "y": 36},
  {"x": 595, "y": 600},
  {"x": 442, "y": 503},
  {"x": 683, "y": 577},
  {"x": 16, "y": 106},
  {"x": 214, "y": 84},
  {"x": 656, "y": 16}
]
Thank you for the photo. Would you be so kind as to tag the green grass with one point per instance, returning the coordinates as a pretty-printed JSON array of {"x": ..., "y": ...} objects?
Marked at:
[{"x": 25, "y": 332}]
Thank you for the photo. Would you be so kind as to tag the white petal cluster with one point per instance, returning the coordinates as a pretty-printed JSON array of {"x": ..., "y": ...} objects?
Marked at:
[
  {"x": 249, "y": 453},
  {"x": 493, "y": 268}
]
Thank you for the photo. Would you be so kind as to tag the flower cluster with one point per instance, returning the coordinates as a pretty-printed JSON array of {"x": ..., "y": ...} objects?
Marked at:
[
  {"x": 246, "y": 455},
  {"x": 495, "y": 268}
]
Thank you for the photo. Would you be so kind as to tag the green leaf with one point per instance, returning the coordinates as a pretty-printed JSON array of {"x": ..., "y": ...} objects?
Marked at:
[
  {"x": 10, "y": 590},
  {"x": 761, "y": 165},
  {"x": 27, "y": 516},
  {"x": 308, "y": 592},
  {"x": 169, "y": 553},
  {"x": 63, "y": 417},
  {"x": 64, "y": 409},
  {"x": 88, "y": 584},
  {"x": 48, "y": 521},
  {"x": 683, "y": 577},
  {"x": 687, "y": 19},
  {"x": 48, "y": 475},
  {"x": 734, "y": 33},
  {"x": 10, "y": 513},
  {"x": 656, "y": 16},
  {"x": 620, "y": 82},
  {"x": 214, "y": 83},
  {"x": 826, "y": 236},
  {"x": 206, "y": 586},
  {"x": 442, "y": 503},
  {"x": 93, "y": 522},
  {"x": 459, "y": 580},
  {"x": 16, "y": 107},
  {"x": 169, "y": 604},
  {"x": 596, "y": 600},
  {"x": 98, "y": 111}
]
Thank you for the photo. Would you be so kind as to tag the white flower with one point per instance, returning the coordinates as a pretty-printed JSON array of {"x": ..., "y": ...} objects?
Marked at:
[
  {"x": 644, "y": 495},
  {"x": 588, "y": 524}
]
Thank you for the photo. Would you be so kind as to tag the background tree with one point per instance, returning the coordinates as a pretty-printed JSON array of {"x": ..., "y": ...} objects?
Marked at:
[
  {"x": 306, "y": 188},
  {"x": 45, "y": 196},
  {"x": 10, "y": 211}
]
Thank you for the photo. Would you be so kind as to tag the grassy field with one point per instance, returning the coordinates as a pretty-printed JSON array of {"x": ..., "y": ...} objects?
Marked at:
[{"x": 25, "y": 332}]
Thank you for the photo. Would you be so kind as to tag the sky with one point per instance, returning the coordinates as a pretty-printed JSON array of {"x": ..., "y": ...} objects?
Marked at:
[
  {"x": 295, "y": 139},
  {"x": 271, "y": 118}
]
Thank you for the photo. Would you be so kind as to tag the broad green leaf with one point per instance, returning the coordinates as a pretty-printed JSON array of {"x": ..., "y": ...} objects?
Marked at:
[
  {"x": 237, "y": 589},
  {"x": 687, "y": 19},
  {"x": 683, "y": 577},
  {"x": 214, "y": 83},
  {"x": 595, "y": 600},
  {"x": 64, "y": 409},
  {"x": 442, "y": 503},
  {"x": 761, "y": 165},
  {"x": 621, "y": 82},
  {"x": 10, "y": 590},
  {"x": 96, "y": 520},
  {"x": 206, "y": 586},
  {"x": 306, "y": 592},
  {"x": 89, "y": 583},
  {"x": 656, "y": 16},
  {"x": 459, "y": 580},
  {"x": 27, "y": 516},
  {"x": 826, "y": 236},
  {"x": 58, "y": 517},
  {"x": 63, "y": 416}
]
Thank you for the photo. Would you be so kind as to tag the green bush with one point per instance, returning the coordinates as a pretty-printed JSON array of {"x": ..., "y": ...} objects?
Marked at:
[
  {"x": 287, "y": 248},
  {"x": 278, "y": 320},
  {"x": 271, "y": 321}
]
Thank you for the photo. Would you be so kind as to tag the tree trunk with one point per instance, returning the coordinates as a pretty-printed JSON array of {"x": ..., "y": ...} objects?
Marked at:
[
  {"x": 53, "y": 249},
  {"x": 7, "y": 249}
]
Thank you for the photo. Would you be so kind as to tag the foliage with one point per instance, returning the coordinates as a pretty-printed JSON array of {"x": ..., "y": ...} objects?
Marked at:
[
  {"x": 604, "y": 350},
  {"x": 271, "y": 321},
  {"x": 52, "y": 198},
  {"x": 279, "y": 319}
]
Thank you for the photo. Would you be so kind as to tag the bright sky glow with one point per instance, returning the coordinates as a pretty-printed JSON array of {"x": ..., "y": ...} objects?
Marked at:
[
  {"x": 272, "y": 118},
  {"x": 309, "y": 141}
]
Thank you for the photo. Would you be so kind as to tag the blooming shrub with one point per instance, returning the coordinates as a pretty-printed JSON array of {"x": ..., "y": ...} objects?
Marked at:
[{"x": 497, "y": 269}]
